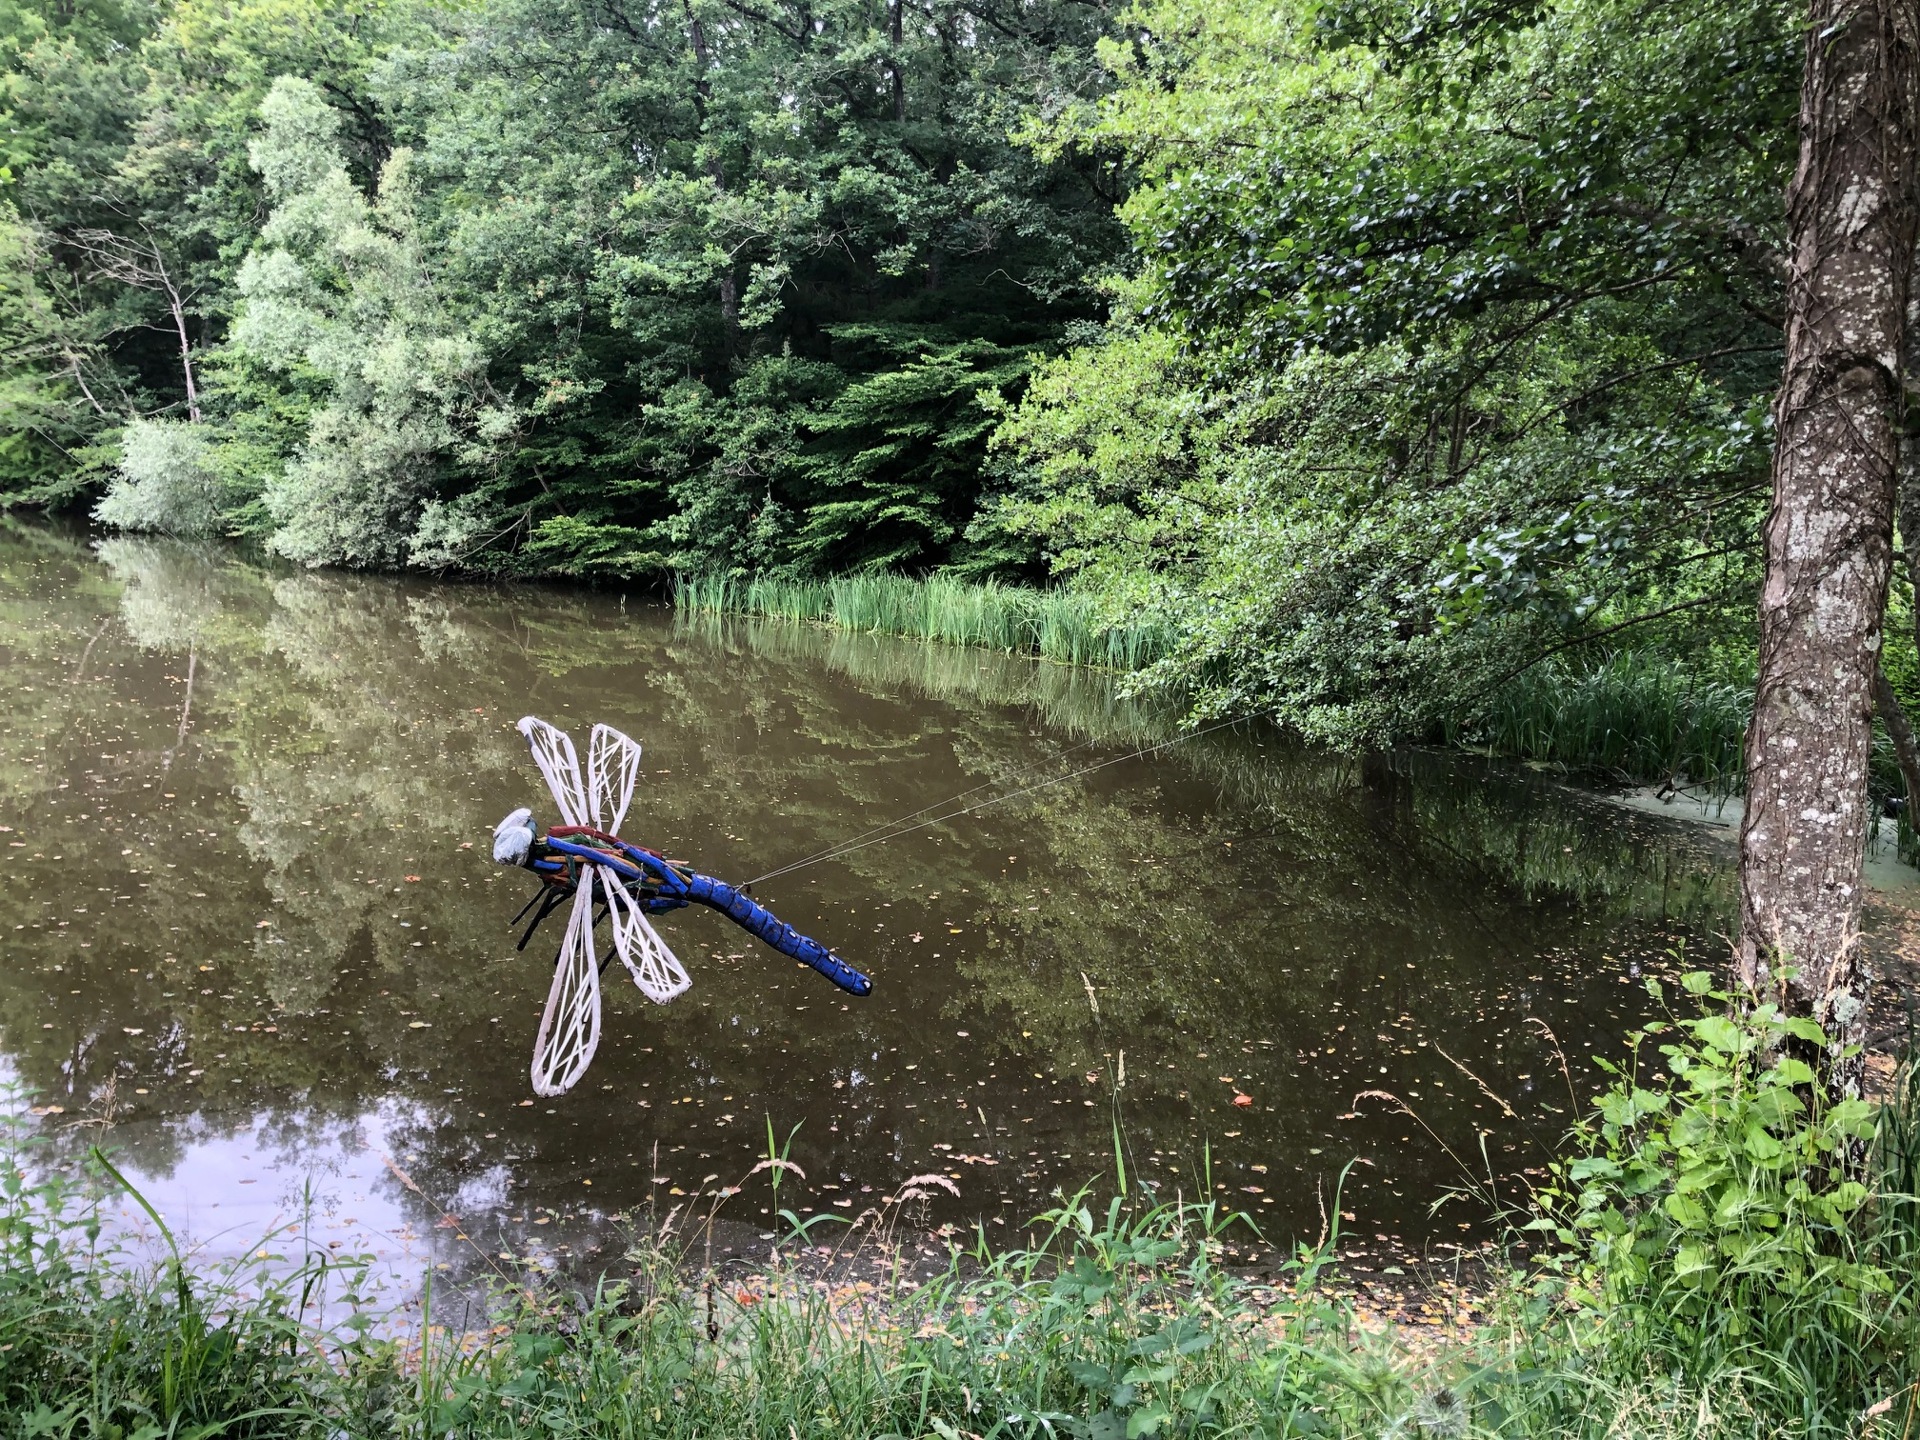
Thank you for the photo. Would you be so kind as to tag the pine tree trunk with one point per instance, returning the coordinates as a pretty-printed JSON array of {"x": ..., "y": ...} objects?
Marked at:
[{"x": 1829, "y": 535}]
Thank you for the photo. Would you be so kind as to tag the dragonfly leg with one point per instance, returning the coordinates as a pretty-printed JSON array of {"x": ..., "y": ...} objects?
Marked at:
[
  {"x": 538, "y": 896},
  {"x": 549, "y": 902}
]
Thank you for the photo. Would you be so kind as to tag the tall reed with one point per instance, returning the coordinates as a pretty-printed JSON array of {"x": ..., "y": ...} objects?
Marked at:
[
  {"x": 1061, "y": 625},
  {"x": 1640, "y": 717}
]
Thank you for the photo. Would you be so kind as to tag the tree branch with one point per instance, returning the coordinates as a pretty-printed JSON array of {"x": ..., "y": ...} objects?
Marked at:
[{"x": 1549, "y": 653}]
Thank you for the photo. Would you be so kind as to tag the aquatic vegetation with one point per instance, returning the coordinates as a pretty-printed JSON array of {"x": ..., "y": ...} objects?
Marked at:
[
  {"x": 1633, "y": 715},
  {"x": 1065, "y": 625}
]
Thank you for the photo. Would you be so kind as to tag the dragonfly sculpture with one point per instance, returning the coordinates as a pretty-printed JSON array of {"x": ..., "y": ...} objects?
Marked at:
[{"x": 585, "y": 851}]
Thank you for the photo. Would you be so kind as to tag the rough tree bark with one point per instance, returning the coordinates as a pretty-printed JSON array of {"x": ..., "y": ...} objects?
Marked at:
[{"x": 1829, "y": 534}]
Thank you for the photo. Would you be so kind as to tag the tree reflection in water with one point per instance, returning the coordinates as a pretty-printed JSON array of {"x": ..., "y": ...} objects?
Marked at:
[{"x": 264, "y": 913}]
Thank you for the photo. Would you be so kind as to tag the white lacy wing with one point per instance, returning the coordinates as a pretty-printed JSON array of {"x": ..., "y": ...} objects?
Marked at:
[
  {"x": 653, "y": 966},
  {"x": 570, "y": 1028},
  {"x": 553, "y": 752},
  {"x": 613, "y": 765}
]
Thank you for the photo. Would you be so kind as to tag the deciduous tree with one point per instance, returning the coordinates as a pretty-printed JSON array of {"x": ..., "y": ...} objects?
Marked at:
[{"x": 1852, "y": 210}]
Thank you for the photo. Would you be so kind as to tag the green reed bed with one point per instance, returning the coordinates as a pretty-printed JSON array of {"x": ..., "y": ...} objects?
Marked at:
[
  {"x": 759, "y": 595},
  {"x": 1681, "y": 1281},
  {"x": 1640, "y": 717},
  {"x": 1058, "y": 625}
]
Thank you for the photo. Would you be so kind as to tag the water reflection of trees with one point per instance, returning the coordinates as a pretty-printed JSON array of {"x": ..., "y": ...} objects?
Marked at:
[
  {"x": 1400, "y": 889},
  {"x": 347, "y": 734}
]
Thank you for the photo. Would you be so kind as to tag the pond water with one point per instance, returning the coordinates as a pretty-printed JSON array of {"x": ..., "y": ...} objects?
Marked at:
[{"x": 250, "y": 918}]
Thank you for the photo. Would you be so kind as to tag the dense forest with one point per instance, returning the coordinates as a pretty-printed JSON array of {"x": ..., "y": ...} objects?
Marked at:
[
  {"x": 596, "y": 290},
  {"x": 1532, "y": 375},
  {"x": 1381, "y": 348}
]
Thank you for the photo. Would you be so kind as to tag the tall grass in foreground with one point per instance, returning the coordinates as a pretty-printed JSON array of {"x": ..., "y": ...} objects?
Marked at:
[
  {"x": 98, "y": 1344},
  {"x": 1772, "y": 1311},
  {"x": 1058, "y": 625},
  {"x": 1635, "y": 716}
]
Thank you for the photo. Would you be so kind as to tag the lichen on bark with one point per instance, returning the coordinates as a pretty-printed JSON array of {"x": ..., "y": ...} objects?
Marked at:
[{"x": 1851, "y": 212}]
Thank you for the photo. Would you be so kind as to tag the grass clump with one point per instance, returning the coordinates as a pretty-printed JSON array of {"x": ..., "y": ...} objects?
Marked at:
[
  {"x": 1634, "y": 716},
  {"x": 1061, "y": 625},
  {"x": 97, "y": 1344},
  {"x": 760, "y": 595},
  {"x": 1112, "y": 1322}
]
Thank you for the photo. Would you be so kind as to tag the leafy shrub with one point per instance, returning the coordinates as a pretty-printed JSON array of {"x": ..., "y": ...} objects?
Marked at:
[
  {"x": 339, "y": 290},
  {"x": 1712, "y": 1222},
  {"x": 164, "y": 482}
]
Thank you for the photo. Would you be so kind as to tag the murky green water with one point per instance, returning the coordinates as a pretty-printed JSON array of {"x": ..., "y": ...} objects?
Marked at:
[{"x": 250, "y": 911}]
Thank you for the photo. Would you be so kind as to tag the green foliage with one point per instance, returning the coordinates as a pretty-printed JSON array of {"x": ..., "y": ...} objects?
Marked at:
[
  {"x": 1064, "y": 625},
  {"x": 126, "y": 131},
  {"x": 1635, "y": 715},
  {"x": 894, "y": 461},
  {"x": 1540, "y": 161},
  {"x": 1444, "y": 343},
  {"x": 1715, "y": 1218},
  {"x": 523, "y": 287},
  {"x": 341, "y": 290},
  {"x": 44, "y": 430},
  {"x": 1449, "y": 348},
  {"x": 1116, "y": 452},
  {"x": 1113, "y": 1322}
]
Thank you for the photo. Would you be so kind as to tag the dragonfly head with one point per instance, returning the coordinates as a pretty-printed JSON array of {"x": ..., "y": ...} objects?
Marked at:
[{"x": 513, "y": 838}]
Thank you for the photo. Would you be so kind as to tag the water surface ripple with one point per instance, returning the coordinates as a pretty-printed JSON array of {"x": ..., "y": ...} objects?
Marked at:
[{"x": 250, "y": 911}]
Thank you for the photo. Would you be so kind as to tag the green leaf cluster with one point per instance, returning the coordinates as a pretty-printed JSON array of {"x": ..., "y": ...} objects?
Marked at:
[
  {"x": 1449, "y": 346},
  {"x": 1716, "y": 1199}
]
